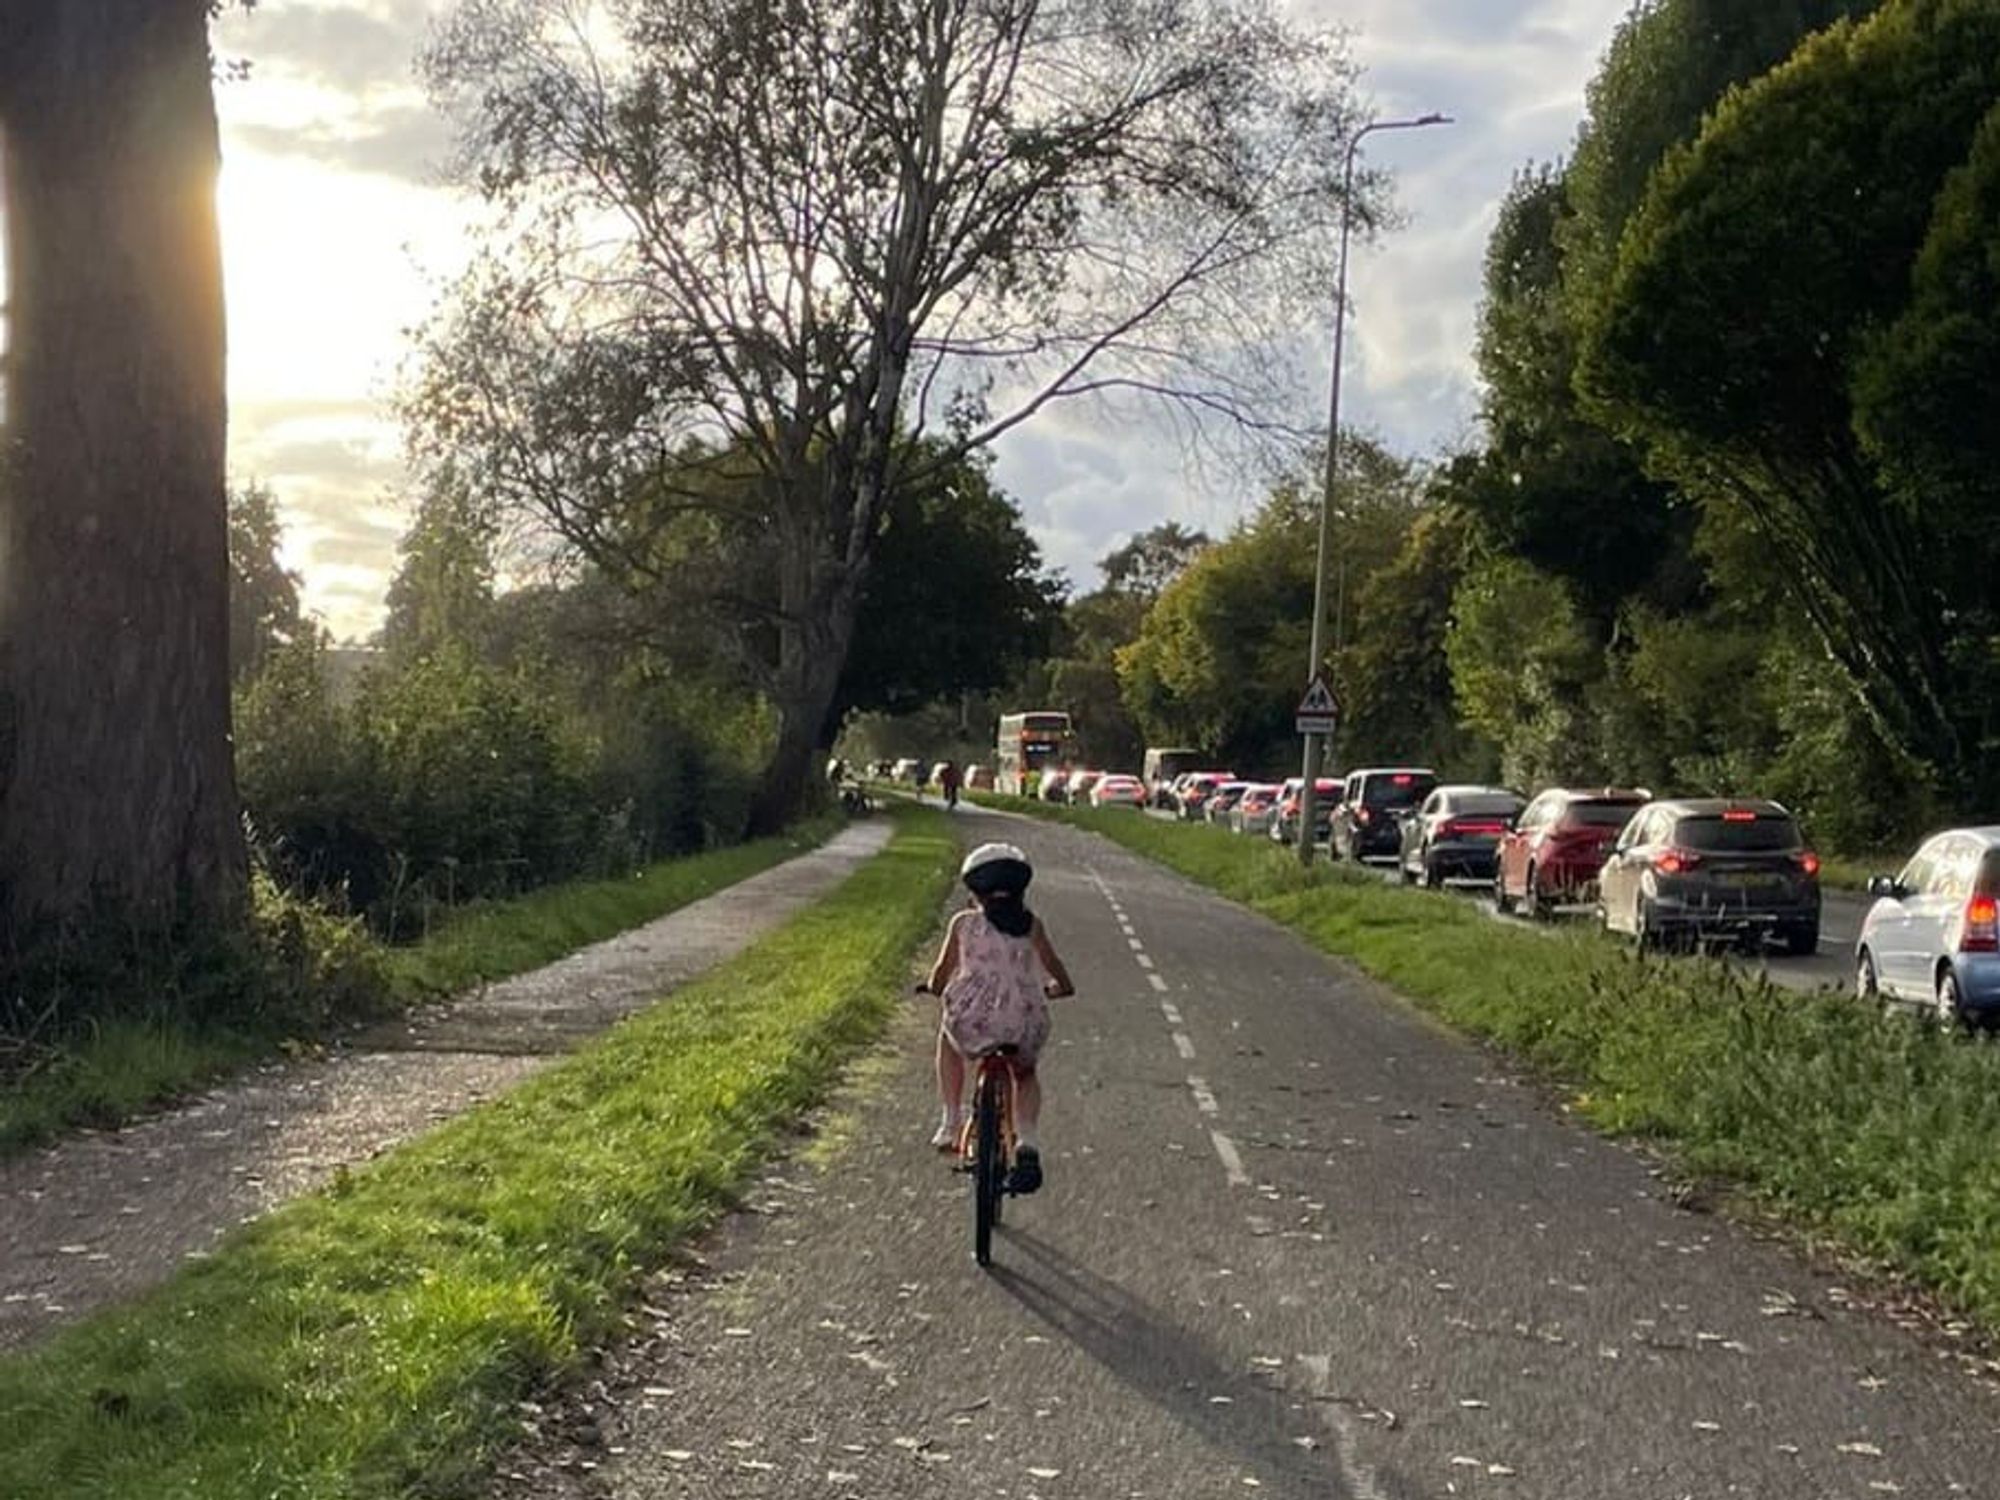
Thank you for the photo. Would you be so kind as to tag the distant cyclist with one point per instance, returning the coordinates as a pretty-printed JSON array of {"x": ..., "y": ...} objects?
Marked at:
[
  {"x": 997, "y": 971},
  {"x": 950, "y": 778}
]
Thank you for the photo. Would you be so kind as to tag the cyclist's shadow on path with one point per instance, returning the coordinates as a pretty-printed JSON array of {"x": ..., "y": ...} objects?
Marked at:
[{"x": 1176, "y": 1369}]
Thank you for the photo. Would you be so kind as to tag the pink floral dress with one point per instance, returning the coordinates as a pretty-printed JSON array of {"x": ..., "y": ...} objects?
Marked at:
[{"x": 995, "y": 996}]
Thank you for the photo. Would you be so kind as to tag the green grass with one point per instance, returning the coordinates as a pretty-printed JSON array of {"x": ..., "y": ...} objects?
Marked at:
[
  {"x": 1880, "y": 1132},
  {"x": 373, "y": 1339},
  {"x": 322, "y": 971}
]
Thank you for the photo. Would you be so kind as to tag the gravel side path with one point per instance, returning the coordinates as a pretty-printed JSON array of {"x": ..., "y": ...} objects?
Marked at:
[{"x": 103, "y": 1214}]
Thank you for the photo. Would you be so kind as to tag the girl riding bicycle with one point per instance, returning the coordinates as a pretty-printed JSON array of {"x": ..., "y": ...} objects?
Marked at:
[{"x": 994, "y": 996}]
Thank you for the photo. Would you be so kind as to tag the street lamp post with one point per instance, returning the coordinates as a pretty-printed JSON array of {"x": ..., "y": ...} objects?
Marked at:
[{"x": 1309, "y": 793}]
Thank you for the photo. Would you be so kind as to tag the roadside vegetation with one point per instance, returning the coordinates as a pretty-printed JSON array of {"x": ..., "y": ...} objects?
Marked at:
[
  {"x": 1874, "y": 1130},
  {"x": 375, "y": 1338},
  {"x": 301, "y": 973}
]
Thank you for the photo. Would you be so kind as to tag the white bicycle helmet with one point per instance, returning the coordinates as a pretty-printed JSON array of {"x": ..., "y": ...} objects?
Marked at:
[{"x": 996, "y": 867}]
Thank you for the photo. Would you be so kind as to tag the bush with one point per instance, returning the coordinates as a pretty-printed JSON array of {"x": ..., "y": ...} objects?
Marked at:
[{"x": 445, "y": 778}]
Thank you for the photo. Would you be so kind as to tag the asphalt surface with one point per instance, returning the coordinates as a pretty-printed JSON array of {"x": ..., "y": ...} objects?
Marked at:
[{"x": 1295, "y": 1241}]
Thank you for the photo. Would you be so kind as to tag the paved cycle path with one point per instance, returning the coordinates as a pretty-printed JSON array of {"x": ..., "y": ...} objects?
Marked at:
[
  {"x": 104, "y": 1213},
  {"x": 1296, "y": 1241}
]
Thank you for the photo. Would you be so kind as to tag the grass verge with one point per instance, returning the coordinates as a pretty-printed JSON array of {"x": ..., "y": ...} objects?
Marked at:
[
  {"x": 371, "y": 1340},
  {"x": 302, "y": 972},
  {"x": 1879, "y": 1132}
]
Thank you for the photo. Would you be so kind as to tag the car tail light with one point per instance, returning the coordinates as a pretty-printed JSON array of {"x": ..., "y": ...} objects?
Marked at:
[
  {"x": 1455, "y": 828},
  {"x": 1809, "y": 862},
  {"x": 1739, "y": 815},
  {"x": 1402, "y": 780},
  {"x": 1675, "y": 861},
  {"x": 1982, "y": 926}
]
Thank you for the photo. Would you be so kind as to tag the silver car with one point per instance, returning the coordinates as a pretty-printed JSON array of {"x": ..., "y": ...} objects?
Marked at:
[{"x": 1932, "y": 938}]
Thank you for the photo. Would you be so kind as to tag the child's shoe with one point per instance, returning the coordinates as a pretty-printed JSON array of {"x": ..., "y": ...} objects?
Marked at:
[
  {"x": 1027, "y": 1173},
  {"x": 945, "y": 1137}
]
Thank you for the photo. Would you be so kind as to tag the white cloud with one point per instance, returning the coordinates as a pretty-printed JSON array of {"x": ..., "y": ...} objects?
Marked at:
[{"x": 335, "y": 237}]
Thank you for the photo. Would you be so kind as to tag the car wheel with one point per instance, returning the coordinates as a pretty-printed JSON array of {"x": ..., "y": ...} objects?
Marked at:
[
  {"x": 1949, "y": 1011},
  {"x": 1802, "y": 941},
  {"x": 1867, "y": 987},
  {"x": 1433, "y": 876},
  {"x": 1644, "y": 937},
  {"x": 1537, "y": 904},
  {"x": 1502, "y": 902}
]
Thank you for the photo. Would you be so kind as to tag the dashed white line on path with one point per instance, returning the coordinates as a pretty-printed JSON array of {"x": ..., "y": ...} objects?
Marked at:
[
  {"x": 1184, "y": 1045},
  {"x": 1158, "y": 983},
  {"x": 1136, "y": 945},
  {"x": 1231, "y": 1162},
  {"x": 1203, "y": 1099},
  {"x": 1171, "y": 1011},
  {"x": 1145, "y": 962}
]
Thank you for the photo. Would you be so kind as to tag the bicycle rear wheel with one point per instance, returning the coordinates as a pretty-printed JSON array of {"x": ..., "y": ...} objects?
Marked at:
[{"x": 988, "y": 1169}]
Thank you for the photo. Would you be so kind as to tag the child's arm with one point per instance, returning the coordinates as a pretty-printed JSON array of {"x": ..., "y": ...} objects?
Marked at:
[
  {"x": 947, "y": 959},
  {"x": 1059, "y": 983}
]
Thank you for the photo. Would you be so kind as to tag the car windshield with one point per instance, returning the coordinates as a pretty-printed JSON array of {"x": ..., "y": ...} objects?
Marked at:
[
  {"x": 1712, "y": 834},
  {"x": 1600, "y": 814},
  {"x": 1404, "y": 789}
]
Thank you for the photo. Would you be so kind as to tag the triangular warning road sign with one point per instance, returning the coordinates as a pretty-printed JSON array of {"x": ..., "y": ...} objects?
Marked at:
[{"x": 1318, "y": 701}]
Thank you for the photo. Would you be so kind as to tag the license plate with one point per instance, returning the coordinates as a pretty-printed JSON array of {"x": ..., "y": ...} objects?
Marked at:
[{"x": 1746, "y": 880}]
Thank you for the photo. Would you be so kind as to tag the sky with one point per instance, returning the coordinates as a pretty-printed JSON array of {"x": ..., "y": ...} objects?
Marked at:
[{"x": 339, "y": 233}]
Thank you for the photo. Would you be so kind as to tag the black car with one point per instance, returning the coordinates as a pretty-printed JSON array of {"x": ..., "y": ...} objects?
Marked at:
[
  {"x": 1712, "y": 869},
  {"x": 1457, "y": 832},
  {"x": 1368, "y": 822}
]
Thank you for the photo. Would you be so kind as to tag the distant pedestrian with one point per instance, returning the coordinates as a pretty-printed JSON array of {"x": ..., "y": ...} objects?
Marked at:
[{"x": 950, "y": 778}]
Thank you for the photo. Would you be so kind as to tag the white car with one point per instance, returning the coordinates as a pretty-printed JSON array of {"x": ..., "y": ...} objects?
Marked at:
[
  {"x": 1118, "y": 791},
  {"x": 1932, "y": 938}
]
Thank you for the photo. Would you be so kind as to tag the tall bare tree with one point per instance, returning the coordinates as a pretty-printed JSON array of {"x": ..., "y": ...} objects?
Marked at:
[
  {"x": 117, "y": 795},
  {"x": 806, "y": 230}
]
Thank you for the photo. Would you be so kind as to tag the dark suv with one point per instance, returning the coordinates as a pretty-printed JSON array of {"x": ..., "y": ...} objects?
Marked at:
[
  {"x": 1368, "y": 824},
  {"x": 1708, "y": 868}
]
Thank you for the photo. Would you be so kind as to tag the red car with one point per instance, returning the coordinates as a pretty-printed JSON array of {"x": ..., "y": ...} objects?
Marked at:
[{"x": 1557, "y": 846}]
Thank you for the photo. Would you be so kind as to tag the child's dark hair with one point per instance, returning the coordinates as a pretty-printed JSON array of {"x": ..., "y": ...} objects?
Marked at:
[{"x": 1007, "y": 909}]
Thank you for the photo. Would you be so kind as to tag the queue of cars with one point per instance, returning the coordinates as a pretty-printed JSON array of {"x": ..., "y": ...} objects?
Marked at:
[{"x": 1667, "y": 874}]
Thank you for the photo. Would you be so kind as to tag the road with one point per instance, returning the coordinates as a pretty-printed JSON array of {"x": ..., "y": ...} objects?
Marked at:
[{"x": 1296, "y": 1241}]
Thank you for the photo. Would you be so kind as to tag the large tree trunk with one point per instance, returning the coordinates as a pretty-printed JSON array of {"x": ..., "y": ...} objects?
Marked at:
[
  {"x": 117, "y": 793},
  {"x": 821, "y": 601}
]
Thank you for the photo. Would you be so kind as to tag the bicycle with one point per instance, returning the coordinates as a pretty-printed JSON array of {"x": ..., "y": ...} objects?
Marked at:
[
  {"x": 985, "y": 1149},
  {"x": 986, "y": 1145}
]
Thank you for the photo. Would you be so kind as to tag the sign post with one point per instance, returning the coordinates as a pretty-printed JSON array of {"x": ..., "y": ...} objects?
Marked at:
[{"x": 1318, "y": 720}]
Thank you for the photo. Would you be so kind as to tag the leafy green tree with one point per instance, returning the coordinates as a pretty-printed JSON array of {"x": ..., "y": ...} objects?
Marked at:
[
  {"x": 1397, "y": 693},
  {"x": 1218, "y": 659},
  {"x": 443, "y": 590},
  {"x": 1669, "y": 64},
  {"x": 1924, "y": 392},
  {"x": 957, "y": 600},
  {"x": 839, "y": 229},
  {"x": 1551, "y": 485},
  {"x": 1523, "y": 670},
  {"x": 1151, "y": 560},
  {"x": 1744, "y": 306},
  {"x": 264, "y": 613}
]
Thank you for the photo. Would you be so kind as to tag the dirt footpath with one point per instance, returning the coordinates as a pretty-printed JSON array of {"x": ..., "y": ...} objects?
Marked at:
[{"x": 103, "y": 1214}]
